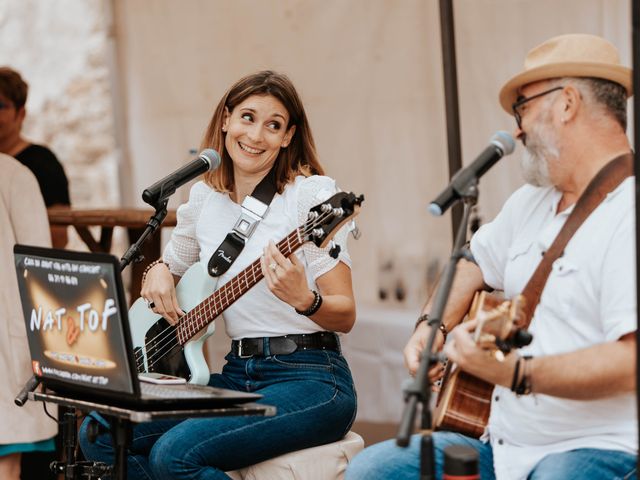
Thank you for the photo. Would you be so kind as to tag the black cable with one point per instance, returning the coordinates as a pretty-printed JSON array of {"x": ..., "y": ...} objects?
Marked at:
[{"x": 44, "y": 406}]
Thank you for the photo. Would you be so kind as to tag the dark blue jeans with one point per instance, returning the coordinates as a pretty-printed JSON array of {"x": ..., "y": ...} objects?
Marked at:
[
  {"x": 388, "y": 461},
  {"x": 316, "y": 404}
]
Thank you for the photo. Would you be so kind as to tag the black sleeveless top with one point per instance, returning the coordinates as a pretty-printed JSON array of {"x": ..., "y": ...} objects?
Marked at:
[{"x": 49, "y": 173}]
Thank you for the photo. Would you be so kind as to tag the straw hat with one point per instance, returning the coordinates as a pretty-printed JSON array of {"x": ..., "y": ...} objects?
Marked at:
[{"x": 573, "y": 55}]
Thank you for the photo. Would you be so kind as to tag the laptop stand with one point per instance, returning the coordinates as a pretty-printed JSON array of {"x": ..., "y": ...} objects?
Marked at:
[{"x": 121, "y": 420}]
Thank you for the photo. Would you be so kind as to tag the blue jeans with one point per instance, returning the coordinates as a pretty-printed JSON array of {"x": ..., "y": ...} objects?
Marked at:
[
  {"x": 386, "y": 460},
  {"x": 316, "y": 404}
]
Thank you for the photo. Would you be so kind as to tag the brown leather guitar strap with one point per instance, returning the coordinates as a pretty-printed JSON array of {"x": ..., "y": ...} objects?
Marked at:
[{"x": 607, "y": 179}]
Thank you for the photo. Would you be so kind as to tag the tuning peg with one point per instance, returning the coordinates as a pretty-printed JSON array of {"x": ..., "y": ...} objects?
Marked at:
[{"x": 335, "y": 250}]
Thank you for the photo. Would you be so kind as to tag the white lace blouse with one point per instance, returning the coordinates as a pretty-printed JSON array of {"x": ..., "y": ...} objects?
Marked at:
[{"x": 208, "y": 216}]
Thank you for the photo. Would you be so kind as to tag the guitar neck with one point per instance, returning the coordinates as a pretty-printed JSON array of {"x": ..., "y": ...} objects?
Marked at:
[{"x": 206, "y": 311}]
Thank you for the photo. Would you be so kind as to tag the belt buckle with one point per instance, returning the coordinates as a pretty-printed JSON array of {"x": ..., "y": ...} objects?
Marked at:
[{"x": 240, "y": 355}]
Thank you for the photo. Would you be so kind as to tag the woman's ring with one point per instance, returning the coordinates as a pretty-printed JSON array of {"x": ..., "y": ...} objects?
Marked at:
[
  {"x": 273, "y": 266},
  {"x": 150, "y": 303}
]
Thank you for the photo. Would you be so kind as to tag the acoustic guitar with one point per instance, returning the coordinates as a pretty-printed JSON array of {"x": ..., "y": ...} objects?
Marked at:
[{"x": 464, "y": 401}]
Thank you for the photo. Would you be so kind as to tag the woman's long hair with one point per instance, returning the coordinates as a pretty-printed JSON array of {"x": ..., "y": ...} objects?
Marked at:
[{"x": 298, "y": 158}]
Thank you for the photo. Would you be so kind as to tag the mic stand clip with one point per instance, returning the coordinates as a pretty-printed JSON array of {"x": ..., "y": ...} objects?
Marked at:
[
  {"x": 133, "y": 252},
  {"x": 419, "y": 389}
]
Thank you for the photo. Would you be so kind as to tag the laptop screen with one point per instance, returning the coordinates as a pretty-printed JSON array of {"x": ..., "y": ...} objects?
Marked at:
[{"x": 73, "y": 309}]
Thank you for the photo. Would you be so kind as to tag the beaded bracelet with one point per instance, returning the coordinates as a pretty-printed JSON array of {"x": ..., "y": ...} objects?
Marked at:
[
  {"x": 425, "y": 318},
  {"x": 315, "y": 306},
  {"x": 149, "y": 267}
]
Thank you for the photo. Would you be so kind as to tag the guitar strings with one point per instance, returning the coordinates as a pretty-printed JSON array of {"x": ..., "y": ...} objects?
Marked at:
[
  {"x": 171, "y": 339},
  {"x": 168, "y": 340},
  {"x": 171, "y": 329}
]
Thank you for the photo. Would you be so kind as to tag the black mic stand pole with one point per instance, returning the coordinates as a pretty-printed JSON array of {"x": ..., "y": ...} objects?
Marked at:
[
  {"x": 419, "y": 390},
  {"x": 133, "y": 253}
]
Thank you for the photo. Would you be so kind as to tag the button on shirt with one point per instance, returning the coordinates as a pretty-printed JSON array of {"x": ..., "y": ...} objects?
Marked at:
[{"x": 588, "y": 299}]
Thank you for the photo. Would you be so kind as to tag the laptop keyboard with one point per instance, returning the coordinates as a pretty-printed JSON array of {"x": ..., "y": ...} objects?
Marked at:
[{"x": 181, "y": 391}]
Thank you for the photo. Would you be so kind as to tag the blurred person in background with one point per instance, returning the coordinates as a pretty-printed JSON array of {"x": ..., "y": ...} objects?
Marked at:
[{"x": 38, "y": 158}]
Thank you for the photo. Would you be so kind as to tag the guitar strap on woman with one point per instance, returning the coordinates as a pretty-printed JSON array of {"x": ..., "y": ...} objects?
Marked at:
[
  {"x": 254, "y": 209},
  {"x": 606, "y": 181}
]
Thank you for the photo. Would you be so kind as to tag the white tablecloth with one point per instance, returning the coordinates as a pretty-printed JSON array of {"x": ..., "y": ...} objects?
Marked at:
[{"x": 374, "y": 352}]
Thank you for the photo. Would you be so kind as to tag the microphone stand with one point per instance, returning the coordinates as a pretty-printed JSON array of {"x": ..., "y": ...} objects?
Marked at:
[
  {"x": 133, "y": 253},
  {"x": 419, "y": 389}
]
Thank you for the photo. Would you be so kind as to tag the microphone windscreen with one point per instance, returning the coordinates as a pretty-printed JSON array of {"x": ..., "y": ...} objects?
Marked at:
[
  {"x": 212, "y": 157},
  {"x": 435, "y": 209},
  {"x": 504, "y": 141}
]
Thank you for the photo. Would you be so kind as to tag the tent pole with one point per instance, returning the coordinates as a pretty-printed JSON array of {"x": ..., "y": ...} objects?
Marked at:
[{"x": 447, "y": 35}]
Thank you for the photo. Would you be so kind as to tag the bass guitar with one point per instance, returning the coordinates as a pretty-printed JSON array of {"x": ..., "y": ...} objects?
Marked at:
[
  {"x": 178, "y": 349},
  {"x": 464, "y": 401}
]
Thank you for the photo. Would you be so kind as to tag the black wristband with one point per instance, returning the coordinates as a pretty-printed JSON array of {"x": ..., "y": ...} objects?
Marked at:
[
  {"x": 516, "y": 372},
  {"x": 524, "y": 385},
  {"x": 315, "y": 306}
]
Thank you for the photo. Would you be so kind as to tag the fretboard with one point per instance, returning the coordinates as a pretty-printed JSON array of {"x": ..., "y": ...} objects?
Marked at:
[{"x": 207, "y": 310}]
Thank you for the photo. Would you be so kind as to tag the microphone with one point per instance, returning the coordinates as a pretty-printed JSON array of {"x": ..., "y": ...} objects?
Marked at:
[
  {"x": 501, "y": 144},
  {"x": 208, "y": 160}
]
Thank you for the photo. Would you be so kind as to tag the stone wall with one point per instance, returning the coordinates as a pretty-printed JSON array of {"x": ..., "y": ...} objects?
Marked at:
[{"x": 62, "y": 49}]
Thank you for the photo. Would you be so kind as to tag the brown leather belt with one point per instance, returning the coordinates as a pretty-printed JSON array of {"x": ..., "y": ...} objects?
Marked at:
[{"x": 249, "y": 347}]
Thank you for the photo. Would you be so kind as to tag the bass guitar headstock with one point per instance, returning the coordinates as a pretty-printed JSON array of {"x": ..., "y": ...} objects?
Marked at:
[{"x": 325, "y": 219}]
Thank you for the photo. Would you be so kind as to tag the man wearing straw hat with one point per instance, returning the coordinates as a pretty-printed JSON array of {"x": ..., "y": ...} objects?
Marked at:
[{"x": 564, "y": 406}]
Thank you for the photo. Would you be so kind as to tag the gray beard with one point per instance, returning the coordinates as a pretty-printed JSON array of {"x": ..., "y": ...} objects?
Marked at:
[
  {"x": 534, "y": 169},
  {"x": 541, "y": 146}
]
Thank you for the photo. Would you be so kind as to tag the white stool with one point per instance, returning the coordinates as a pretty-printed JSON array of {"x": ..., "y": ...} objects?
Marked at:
[{"x": 326, "y": 462}]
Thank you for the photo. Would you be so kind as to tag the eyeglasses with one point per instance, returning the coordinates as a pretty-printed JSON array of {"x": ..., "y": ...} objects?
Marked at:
[{"x": 517, "y": 112}]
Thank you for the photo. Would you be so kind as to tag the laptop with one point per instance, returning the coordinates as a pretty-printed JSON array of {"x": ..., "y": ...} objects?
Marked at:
[{"x": 77, "y": 325}]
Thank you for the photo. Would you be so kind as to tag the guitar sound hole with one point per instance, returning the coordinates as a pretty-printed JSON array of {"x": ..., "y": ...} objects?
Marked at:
[{"x": 164, "y": 352}]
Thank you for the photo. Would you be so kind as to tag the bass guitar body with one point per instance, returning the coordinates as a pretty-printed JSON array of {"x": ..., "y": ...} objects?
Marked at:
[
  {"x": 178, "y": 349},
  {"x": 155, "y": 345}
]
